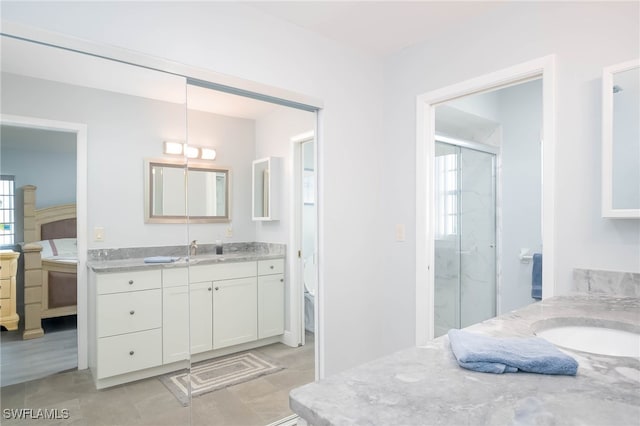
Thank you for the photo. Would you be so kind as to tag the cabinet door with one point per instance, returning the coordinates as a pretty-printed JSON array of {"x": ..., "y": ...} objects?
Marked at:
[
  {"x": 201, "y": 317},
  {"x": 235, "y": 312},
  {"x": 270, "y": 305},
  {"x": 175, "y": 324}
]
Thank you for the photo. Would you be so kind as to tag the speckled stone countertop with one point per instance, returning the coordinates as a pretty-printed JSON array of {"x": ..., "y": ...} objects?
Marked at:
[
  {"x": 131, "y": 259},
  {"x": 425, "y": 385}
]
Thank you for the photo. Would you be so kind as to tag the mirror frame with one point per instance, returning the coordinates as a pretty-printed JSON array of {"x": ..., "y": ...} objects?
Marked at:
[
  {"x": 608, "y": 211},
  {"x": 190, "y": 165}
]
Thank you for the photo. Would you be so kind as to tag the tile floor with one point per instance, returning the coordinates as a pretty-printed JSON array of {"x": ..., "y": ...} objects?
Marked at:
[{"x": 147, "y": 402}]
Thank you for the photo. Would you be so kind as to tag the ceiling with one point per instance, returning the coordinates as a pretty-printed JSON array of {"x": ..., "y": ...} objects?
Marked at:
[
  {"x": 375, "y": 28},
  {"x": 378, "y": 28}
]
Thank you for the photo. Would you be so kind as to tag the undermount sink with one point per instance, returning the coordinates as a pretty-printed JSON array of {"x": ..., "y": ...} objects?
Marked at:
[{"x": 591, "y": 335}]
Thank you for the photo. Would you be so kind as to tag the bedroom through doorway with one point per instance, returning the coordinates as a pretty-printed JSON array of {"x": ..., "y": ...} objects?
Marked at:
[{"x": 43, "y": 165}]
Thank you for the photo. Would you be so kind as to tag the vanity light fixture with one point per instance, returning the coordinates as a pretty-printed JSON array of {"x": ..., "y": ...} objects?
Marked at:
[
  {"x": 173, "y": 148},
  {"x": 189, "y": 151},
  {"x": 207, "y": 153}
]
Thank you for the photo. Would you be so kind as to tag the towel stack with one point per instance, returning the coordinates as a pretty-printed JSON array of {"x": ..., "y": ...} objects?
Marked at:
[{"x": 508, "y": 355}]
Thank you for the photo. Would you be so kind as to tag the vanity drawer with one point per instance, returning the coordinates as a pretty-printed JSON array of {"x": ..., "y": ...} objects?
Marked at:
[
  {"x": 128, "y": 312},
  {"x": 272, "y": 266},
  {"x": 5, "y": 288},
  {"x": 119, "y": 282},
  {"x": 129, "y": 352},
  {"x": 222, "y": 271},
  {"x": 175, "y": 277}
]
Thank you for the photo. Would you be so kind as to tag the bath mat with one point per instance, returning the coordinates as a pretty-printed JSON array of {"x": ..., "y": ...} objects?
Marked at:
[{"x": 208, "y": 376}]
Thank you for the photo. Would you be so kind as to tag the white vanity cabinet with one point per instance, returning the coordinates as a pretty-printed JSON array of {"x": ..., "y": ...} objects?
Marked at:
[
  {"x": 201, "y": 311},
  {"x": 223, "y": 305},
  {"x": 270, "y": 298},
  {"x": 129, "y": 322},
  {"x": 149, "y": 322},
  {"x": 235, "y": 309},
  {"x": 175, "y": 315}
]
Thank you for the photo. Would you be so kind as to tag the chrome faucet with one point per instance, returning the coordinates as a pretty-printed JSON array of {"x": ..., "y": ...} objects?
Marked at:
[{"x": 192, "y": 248}]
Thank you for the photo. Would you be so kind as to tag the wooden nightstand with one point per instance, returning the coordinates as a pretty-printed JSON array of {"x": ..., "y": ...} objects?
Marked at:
[{"x": 8, "y": 269}]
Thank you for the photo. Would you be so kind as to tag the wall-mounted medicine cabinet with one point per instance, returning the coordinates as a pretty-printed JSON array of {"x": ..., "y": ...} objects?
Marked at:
[
  {"x": 265, "y": 188},
  {"x": 621, "y": 140}
]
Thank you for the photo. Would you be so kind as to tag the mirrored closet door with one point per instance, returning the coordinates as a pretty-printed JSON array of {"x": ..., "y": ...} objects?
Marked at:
[{"x": 94, "y": 339}]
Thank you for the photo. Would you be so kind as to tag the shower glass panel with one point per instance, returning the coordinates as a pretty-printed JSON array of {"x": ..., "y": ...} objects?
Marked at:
[{"x": 465, "y": 230}]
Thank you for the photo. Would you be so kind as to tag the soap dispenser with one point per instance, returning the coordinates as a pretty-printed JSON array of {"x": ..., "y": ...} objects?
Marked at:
[{"x": 218, "y": 247}]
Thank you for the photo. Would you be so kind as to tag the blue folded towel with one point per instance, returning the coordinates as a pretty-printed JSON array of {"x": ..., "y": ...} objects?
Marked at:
[
  {"x": 160, "y": 259},
  {"x": 508, "y": 355},
  {"x": 536, "y": 276}
]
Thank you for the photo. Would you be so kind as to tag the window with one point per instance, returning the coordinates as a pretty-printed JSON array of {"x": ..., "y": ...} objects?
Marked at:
[
  {"x": 446, "y": 195},
  {"x": 7, "y": 209}
]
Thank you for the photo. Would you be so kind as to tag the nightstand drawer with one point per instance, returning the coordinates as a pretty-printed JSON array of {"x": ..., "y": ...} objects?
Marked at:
[
  {"x": 129, "y": 312},
  {"x": 5, "y": 288},
  {"x": 129, "y": 352},
  {"x": 119, "y": 282},
  {"x": 272, "y": 266}
]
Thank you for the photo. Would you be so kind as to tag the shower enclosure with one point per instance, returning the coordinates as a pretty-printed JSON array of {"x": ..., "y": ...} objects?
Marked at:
[{"x": 465, "y": 231}]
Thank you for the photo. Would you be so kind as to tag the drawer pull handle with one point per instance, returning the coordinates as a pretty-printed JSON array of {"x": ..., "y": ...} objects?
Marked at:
[
  {"x": 217, "y": 288},
  {"x": 131, "y": 352},
  {"x": 130, "y": 282},
  {"x": 132, "y": 312}
]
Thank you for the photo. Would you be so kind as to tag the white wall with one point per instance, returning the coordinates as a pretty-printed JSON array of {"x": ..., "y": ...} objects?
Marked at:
[
  {"x": 123, "y": 131},
  {"x": 585, "y": 37},
  {"x": 236, "y": 40},
  {"x": 234, "y": 142},
  {"x": 520, "y": 113}
]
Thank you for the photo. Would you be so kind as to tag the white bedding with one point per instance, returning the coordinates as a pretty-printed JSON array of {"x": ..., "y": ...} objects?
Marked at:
[{"x": 60, "y": 250}]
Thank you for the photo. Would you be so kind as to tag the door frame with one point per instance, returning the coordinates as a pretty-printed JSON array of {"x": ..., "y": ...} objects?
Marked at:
[
  {"x": 426, "y": 103},
  {"x": 80, "y": 130},
  {"x": 296, "y": 269}
]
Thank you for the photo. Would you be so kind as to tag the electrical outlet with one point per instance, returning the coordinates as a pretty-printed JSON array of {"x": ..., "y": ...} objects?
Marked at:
[
  {"x": 98, "y": 233},
  {"x": 229, "y": 232},
  {"x": 400, "y": 232}
]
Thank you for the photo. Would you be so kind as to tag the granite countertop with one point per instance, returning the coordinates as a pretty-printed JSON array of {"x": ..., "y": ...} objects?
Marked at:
[
  {"x": 122, "y": 260},
  {"x": 425, "y": 385}
]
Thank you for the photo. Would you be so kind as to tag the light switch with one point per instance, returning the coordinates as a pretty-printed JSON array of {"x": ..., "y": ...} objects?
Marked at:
[
  {"x": 98, "y": 233},
  {"x": 400, "y": 233}
]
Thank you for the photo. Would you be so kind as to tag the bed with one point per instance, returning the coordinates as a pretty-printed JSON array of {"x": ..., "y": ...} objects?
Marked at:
[{"x": 50, "y": 263}]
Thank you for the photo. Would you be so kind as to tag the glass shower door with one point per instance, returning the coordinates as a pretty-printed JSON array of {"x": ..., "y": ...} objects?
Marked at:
[{"x": 465, "y": 231}]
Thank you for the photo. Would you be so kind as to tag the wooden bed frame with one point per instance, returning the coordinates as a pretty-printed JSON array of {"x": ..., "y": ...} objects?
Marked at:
[{"x": 49, "y": 286}]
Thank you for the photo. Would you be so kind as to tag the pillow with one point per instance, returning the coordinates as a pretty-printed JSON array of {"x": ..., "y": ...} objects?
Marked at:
[{"x": 60, "y": 247}]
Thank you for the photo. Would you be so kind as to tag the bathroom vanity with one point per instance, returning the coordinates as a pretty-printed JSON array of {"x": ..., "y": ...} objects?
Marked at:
[
  {"x": 425, "y": 385},
  {"x": 141, "y": 313}
]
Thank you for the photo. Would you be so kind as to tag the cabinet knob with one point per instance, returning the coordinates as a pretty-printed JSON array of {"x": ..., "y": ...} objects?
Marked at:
[
  {"x": 271, "y": 267},
  {"x": 210, "y": 289},
  {"x": 130, "y": 352},
  {"x": 130, "y": 282},
  {"x": 281, "y": 280},
  {"x": 217, "y": 288},
  {"x": 132, "y": 312}
]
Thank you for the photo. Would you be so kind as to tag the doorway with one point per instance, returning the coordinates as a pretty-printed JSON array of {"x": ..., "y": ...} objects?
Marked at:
[
  {"x": 543, "y": 70},
  {"x": 26, "y": 142}
]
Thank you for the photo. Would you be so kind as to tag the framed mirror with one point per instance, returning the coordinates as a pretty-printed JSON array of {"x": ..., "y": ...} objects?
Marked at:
[
  {"x": 175, "y": 190},
  {"x": 621, "y": 140}
]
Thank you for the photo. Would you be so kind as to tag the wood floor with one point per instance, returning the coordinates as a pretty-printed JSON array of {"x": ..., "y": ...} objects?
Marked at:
[
  {"x": 258, "y": 402},
  {"x": 25, "y": 360}
]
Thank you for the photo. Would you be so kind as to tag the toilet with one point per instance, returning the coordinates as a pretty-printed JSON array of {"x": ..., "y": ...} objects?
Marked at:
[{"x": 309, "y": 293}]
